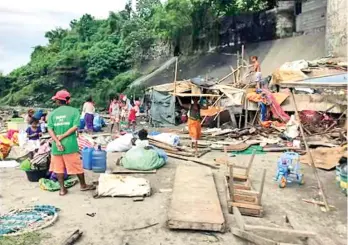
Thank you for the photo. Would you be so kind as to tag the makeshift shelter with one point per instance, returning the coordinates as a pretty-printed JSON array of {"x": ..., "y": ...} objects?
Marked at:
[{"x": 163, "y": 101}]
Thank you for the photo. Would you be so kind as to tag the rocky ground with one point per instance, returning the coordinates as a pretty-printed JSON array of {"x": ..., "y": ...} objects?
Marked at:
[{"x": 115, "y": 215}]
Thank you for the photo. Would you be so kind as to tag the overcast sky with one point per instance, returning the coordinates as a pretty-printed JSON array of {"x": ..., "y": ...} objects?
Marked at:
[{"x": 23, "y": 24}]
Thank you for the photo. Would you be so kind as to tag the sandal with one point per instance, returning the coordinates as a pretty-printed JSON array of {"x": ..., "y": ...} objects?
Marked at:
[{"x": 88, "y": 188}]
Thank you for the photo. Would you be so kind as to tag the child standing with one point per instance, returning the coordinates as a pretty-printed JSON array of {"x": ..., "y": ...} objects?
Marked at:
[
  {"x": 115, "y": 114},
  {"x": 34, "y": 133},
  {"x": 124, "y": 111},
  {"x": 132, "y": 118}
]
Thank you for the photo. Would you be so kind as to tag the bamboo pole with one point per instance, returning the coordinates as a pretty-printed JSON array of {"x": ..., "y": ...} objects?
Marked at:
[
  {"x": 175, "y": 74},
  {"x": 242, "y": 61},
  {"x": 234, "y": 77},
  {"x": 314, "y": 169}
]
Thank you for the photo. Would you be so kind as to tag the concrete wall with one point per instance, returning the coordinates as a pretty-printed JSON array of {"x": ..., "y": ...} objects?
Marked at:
[
  {"x": 285, "y": 19},
  {"x": 336, "y": 28},
  {"x": 313, "y": 16}
]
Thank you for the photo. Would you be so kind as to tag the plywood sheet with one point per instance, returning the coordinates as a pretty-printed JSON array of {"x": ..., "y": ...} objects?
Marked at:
[
  {"x": 324, "y": 158},
  {"x": 195, "y": 203}
]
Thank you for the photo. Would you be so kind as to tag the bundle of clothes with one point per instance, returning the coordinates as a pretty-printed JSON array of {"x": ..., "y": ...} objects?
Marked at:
[{"x": 140, "y": 155}]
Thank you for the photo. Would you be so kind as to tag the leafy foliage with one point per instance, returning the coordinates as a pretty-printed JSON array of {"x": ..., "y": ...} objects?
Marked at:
[{"x": 97, "y": 57}]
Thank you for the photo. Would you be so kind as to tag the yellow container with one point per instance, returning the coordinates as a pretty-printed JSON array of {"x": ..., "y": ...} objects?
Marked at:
[{"x": 17, "y": 126}]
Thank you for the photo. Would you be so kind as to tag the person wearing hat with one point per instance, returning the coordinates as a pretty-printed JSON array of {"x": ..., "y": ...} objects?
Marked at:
[{"x": 63, "y": 123}]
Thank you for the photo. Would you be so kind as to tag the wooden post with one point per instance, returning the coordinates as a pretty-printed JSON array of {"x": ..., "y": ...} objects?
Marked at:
[
  {"x": 256, "y": 114},
  {"x": 238, "y": 71},
  {"x": 314, "y": 169},
  {"x": 261, "y": 187},
  {"x": 232, "y": 116},
  {"x": 246, "y": 112},
  {"x": 175, "y": 74},
  {"x": 250, "y": 163},
  {"x": 242, "y": 60},
  {"x": 233, "y": 75},
  {"x": 218, "y": 119},
  {"x": 230, "y": 167}
]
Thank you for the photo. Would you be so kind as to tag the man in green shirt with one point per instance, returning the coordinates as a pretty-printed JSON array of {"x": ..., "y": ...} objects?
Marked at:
[{"x": 63, "y": 123}]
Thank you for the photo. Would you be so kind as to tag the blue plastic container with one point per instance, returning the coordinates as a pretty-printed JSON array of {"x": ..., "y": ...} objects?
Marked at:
[
  {"x": 99, "y": 160},
  {"x": 87, "y": 158}
]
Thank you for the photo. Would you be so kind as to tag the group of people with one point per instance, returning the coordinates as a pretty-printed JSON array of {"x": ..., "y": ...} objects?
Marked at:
[
  {"x": 123, "y": 109},
  {"x": 64, "y": 122},
  {"x": 37, "y": 124},
  {"x": 120, "y": 109}
]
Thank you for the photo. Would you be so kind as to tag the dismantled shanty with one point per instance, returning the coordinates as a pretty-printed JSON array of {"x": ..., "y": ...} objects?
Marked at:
[{"x": 232, "y": 174}]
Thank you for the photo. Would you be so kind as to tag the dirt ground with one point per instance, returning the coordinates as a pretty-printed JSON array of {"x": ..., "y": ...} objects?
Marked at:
[{"x": 113, "y": 215}]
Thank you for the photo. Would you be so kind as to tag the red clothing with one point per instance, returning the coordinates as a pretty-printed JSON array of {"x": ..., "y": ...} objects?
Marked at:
[{"x": 132, "y": 114}]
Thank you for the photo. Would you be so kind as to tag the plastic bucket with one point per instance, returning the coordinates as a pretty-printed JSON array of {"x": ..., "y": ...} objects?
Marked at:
[{"x": 35, "y": 175}]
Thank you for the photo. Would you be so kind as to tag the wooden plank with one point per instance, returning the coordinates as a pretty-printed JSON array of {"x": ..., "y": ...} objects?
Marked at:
[
  {"x": 239, "y": 219},
  {"x": 261, "y": 186},
  {"x": 250, "y": 163},
  {"x": 258, "y": 240},
  {"x": 314, "y": 169},
  {"x": 195, "y": 203},
  {"x": 230, "y": 179},
  {"x": 294, "y": 233},
  {"x": 245, "y": 199},
  {"x": 193, "y": 159},
  {"x": 246, "y": 205},
  {"x": 195, "y": 95}
]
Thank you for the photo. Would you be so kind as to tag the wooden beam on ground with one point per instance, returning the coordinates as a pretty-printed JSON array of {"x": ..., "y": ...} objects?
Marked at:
[
  {"x": 239, "y": 219},
  {"x": 73, "y": 238},
  {"x": 193, "y": 159},
  {"x": 314, "y": 169},
  {"x": 256, "y": 239},
  {"x": 195, "y": 202},
  {"x": 289, "y": 232}
]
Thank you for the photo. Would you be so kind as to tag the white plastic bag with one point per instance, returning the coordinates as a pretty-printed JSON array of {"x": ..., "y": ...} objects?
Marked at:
[
  {"x": 123, "y": 143},
  {"x": 22, "y": 138},
  {"x": 292, "y": 128},
  {"x": 168, "y": 138}
]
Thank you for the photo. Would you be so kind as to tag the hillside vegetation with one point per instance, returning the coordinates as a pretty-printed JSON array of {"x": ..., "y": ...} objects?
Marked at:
[{"x": 99, "y": 57}]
